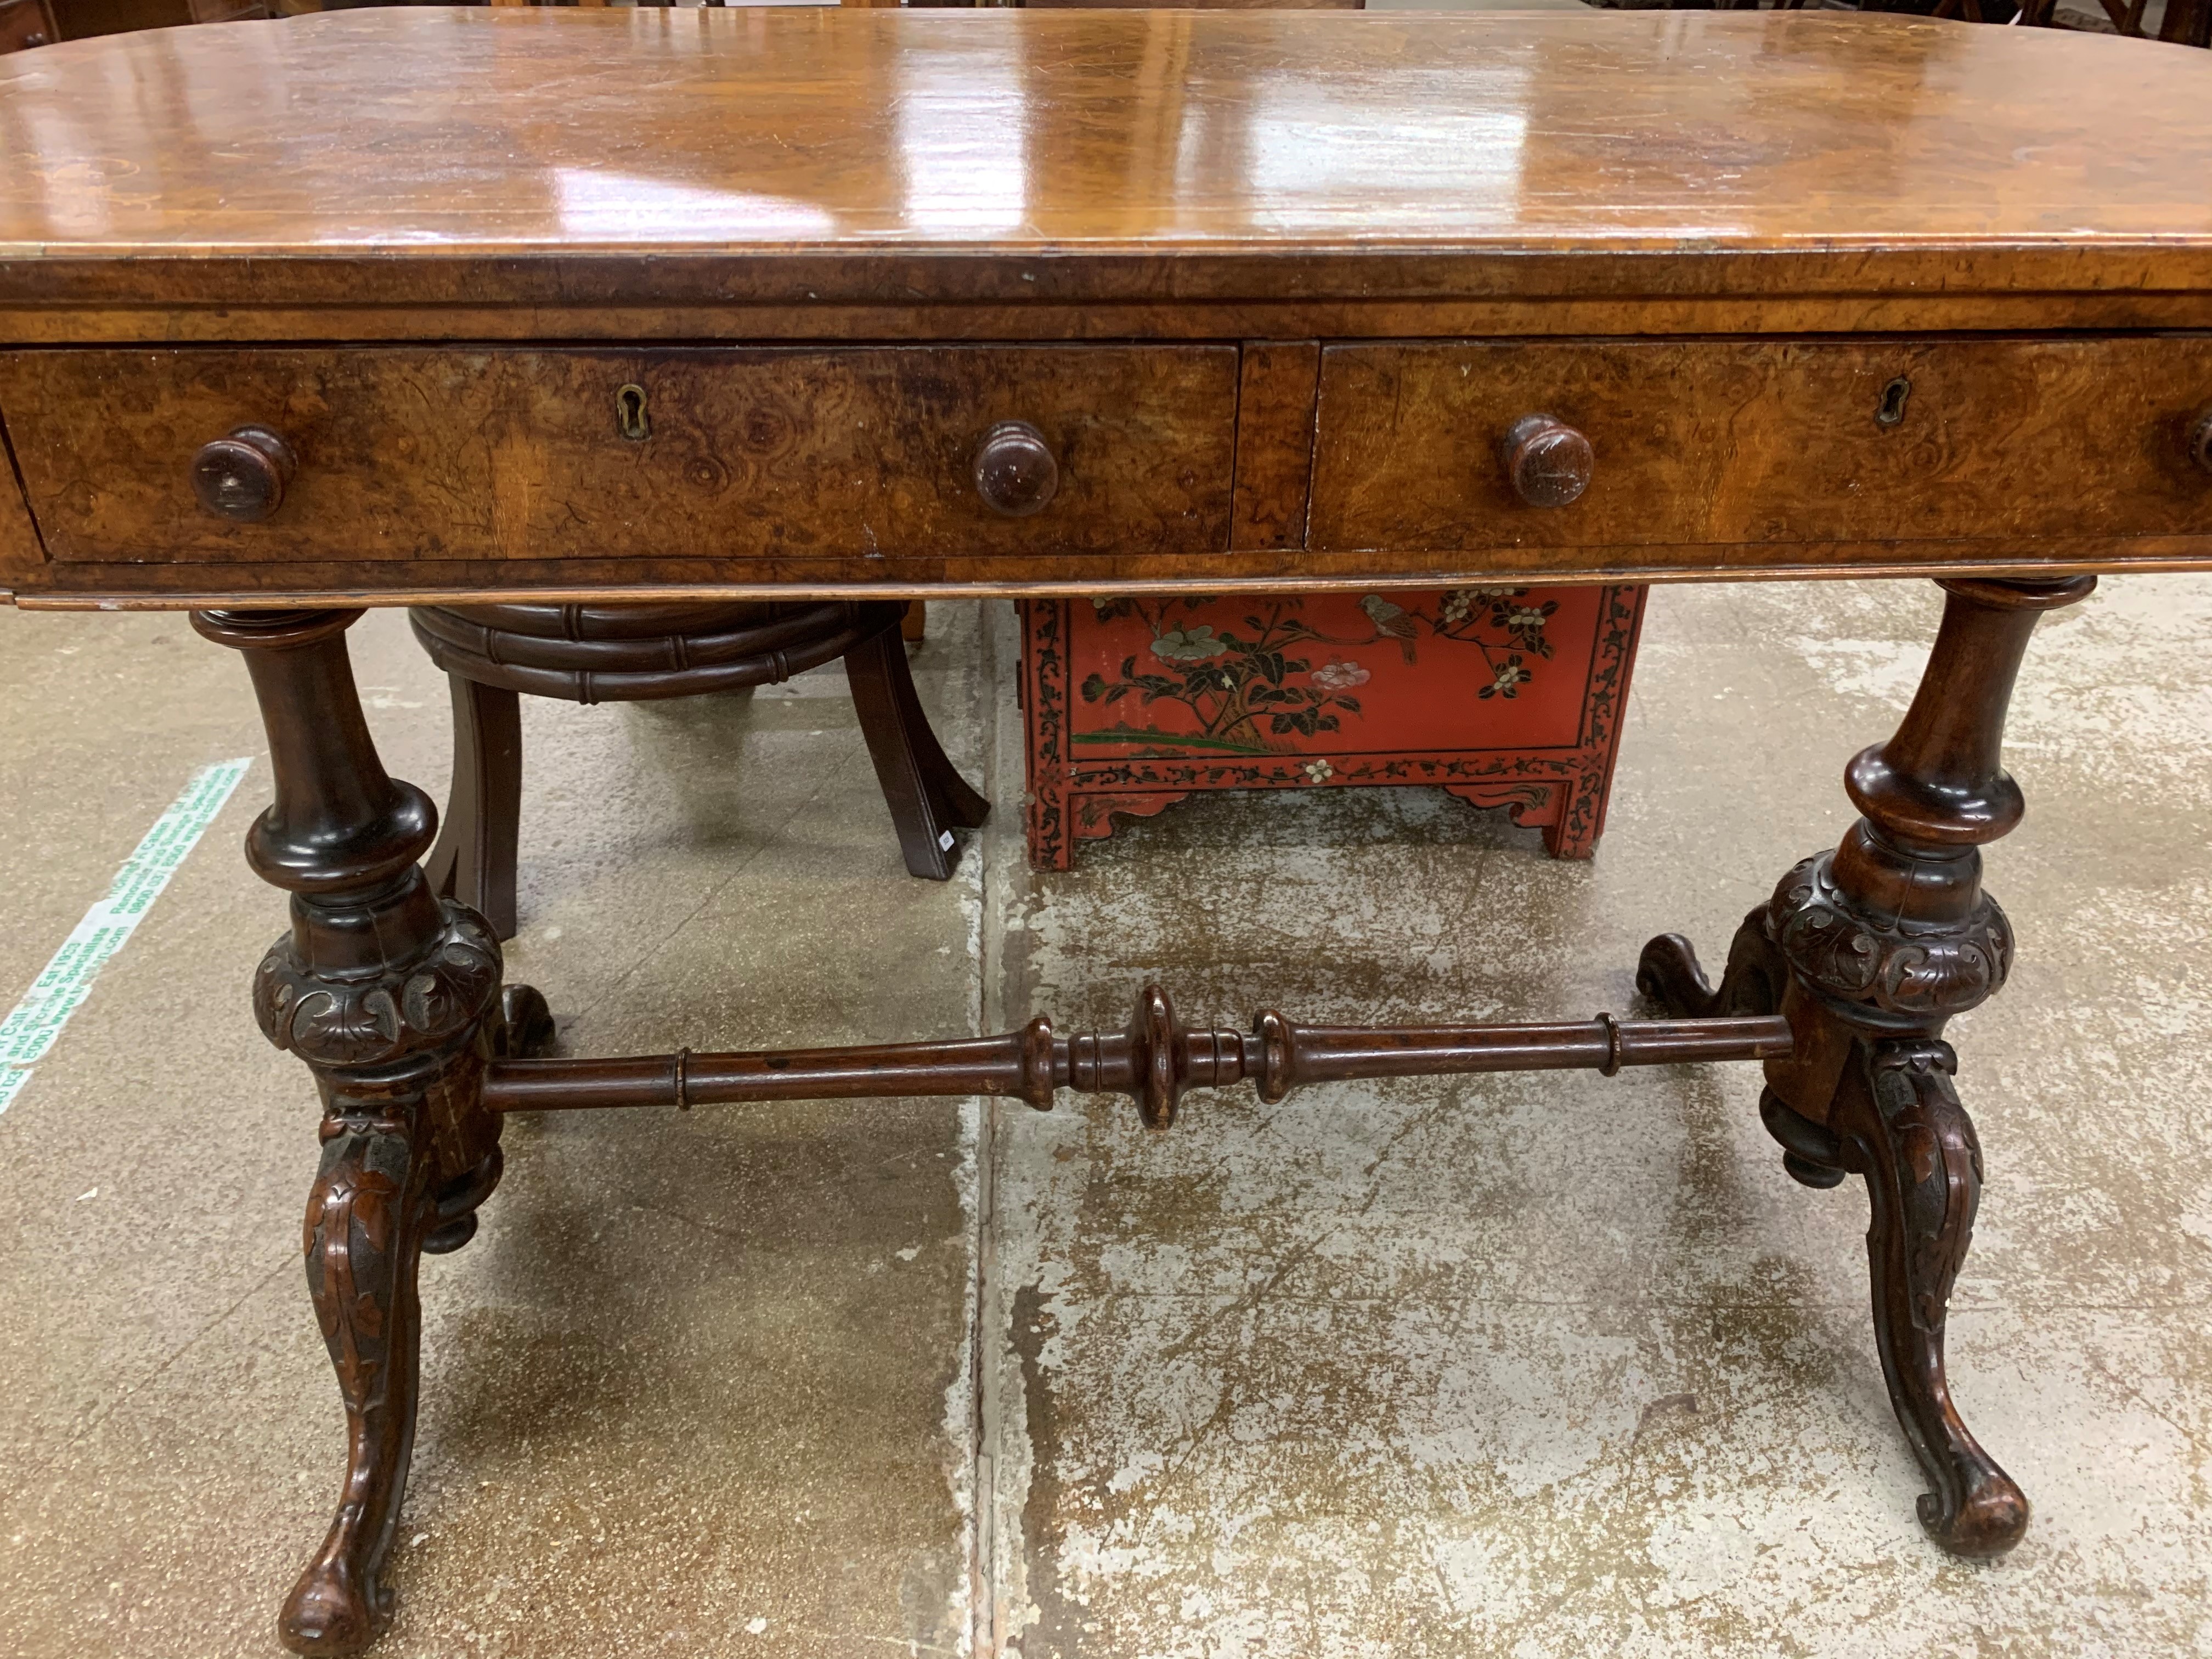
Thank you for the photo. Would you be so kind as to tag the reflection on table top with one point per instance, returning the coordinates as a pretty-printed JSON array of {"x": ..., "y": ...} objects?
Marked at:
[{"x": 576, "y": 132}]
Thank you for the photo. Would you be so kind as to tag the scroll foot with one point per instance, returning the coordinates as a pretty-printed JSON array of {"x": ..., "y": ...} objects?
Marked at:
[
  {"x": 366, "y": 1216},
  {"x": 1899, "y": 1122},
  {"x": 1670, "y": 977}
]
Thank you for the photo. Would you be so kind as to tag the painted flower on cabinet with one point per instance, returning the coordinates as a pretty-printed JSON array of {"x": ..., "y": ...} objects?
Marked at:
[
  {"x": 1509, "y": 679},
  {"x": 1248, "y": 686},
  {"x": 1191, "y": 645}
]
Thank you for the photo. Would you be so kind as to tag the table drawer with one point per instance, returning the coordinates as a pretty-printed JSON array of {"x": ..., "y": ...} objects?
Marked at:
[
  {"x": 452, "y": 453},
  {"x": 1724, "y": 442}
]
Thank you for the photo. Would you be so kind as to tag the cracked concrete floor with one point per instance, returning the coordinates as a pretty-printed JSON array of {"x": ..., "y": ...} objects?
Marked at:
[{"x": 1527, "y": 1366}]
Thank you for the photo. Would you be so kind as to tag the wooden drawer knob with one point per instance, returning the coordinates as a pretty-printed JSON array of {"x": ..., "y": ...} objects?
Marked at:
[
  {"x": 242, "y": 478},
  {"x": 1015, "y": 473},
  {"x": 1547, "y": 460},
  {"x": 2200, "y": 440}
]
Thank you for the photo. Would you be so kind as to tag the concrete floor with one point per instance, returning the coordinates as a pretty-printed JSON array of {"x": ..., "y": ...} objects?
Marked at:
[{"x": 1520, "y": 1366}]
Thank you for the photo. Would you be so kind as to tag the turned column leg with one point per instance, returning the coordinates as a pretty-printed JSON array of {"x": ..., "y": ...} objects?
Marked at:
[
  {"x": 1870, "y": 949},
  {"x": 394, "y": 1000}
]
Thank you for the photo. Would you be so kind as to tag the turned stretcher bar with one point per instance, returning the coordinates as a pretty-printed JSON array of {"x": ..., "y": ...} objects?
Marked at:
[{"x": 1154, "y": 1060}]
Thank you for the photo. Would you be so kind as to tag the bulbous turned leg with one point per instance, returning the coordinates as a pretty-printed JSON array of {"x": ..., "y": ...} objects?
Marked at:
[
  {"x": 392, "y": 998},
  {"x": 1899, "y": 1123},
  {"x": 1870, "y": 951}
]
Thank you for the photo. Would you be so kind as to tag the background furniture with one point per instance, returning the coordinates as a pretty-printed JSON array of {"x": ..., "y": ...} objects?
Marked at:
[
  {"x": 1684, "y": 297},
  {"x": 492, "y": 653},
  {"x": 2188, "y": 22},
  {"x": 25, "y": 24},
  {"x": 1505, "y": 696}
]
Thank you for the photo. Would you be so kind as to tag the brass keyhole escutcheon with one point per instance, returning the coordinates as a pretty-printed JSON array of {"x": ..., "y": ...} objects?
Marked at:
[
  {"x": 630, "y": 413},
  {"x": 1891, "y": 410}
]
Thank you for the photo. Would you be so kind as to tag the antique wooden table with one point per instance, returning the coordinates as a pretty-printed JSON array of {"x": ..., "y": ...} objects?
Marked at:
[{"x": 386, "y": 306}]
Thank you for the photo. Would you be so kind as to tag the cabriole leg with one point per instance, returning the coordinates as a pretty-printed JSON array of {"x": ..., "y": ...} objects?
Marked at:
[
  {"x": 392, "y": 999},
  {"x": 1870, "y": 949}
]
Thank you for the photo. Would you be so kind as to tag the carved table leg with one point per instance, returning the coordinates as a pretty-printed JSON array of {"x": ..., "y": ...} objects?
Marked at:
[
  {"x": 394, "y": 1000},
  {"x": 1869, "y": 950}
]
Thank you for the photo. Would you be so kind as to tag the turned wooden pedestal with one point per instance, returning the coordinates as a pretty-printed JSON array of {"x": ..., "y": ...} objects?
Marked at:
[{"x": 1869, "y": 950}]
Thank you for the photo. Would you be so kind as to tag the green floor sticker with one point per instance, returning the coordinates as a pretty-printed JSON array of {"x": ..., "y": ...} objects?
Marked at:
[{"x": 32, "y": 1025}]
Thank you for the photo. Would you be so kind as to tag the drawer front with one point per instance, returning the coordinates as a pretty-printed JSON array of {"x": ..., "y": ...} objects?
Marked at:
[
  {"x": 491, "y": 454},
  {"x": 1706, "y": 442}
]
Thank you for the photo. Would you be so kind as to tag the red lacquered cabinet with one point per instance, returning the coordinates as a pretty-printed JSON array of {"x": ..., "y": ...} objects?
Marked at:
[{"x": 1506, "y": 696}]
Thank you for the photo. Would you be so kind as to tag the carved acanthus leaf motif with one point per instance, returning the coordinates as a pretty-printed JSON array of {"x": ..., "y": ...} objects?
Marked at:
[
  {"x": 1899, "y": 967},
  {"x": 400, "y": 1011},
  {"x": 1938, "y": 1169}
]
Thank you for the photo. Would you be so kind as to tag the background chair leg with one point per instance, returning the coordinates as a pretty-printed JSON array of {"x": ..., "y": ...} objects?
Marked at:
[
  {"x": 474, "y": 859},
  {"x": 927, "y": 797}
]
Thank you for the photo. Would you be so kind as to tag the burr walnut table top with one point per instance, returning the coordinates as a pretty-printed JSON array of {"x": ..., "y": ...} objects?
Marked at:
[
  {"x": 397, "y": 237},
  {"x": 480, "y": 155}
]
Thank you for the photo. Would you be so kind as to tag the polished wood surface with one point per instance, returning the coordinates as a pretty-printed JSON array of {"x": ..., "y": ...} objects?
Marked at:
[
  {"x": 20, "y": 554},
  {"x": 554, "y": 306},
  {"x": 1692, "y": 445},
  {"x": 1312, "y": 188},
  {"x": 1275, "y": 443},
  {"x": 797, "y": 154},
  {"x": 422, "y": 455},
  {"x": 1155, "y": 1059},
  {"x": 1870, "y": 951}
]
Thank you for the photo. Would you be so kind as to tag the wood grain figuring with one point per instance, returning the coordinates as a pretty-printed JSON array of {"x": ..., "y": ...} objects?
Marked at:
[
  {"x": 1747, "y": 445},
  {"x": 855, "y": 456},
  {"x": 20, "y": 554},
  {"x": 619, "y": 155},
  {"x": 1757, "y": 295},
  {"x": 1275, "y": 443}
]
